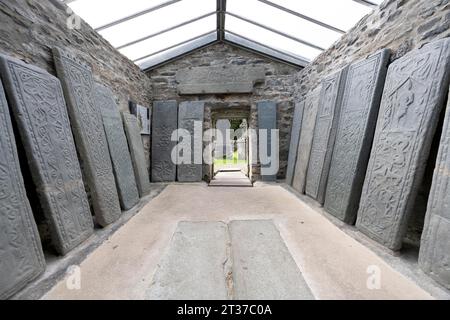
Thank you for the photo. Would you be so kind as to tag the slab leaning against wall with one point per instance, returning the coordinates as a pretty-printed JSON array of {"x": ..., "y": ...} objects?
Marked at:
[
  {"x": 357, "y": 121},
  {"x": 22, "y": 258},
  {"x": 165, "y": 122},
  {"x": 413, "y": 96},
  {"x": 87, "y": 126},
  {"x": 295, "y": 136},
  {"x": 434, "y": 256},
  {"x": 38, "y": 105},
  {"x": 118, "y": 147},
  {"x": 324, "y": 134},
  {"x": 267, "y": 120}
]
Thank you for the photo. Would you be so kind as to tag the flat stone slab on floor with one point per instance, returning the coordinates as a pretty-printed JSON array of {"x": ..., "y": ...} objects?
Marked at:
[
  {"x": 357, "y": 121},
  {"x": 311, "y": 105},
  {"x": 118, "y": 147},
  {"x": 165, "y": 121},
  {"x": 136, "y": 147},
  {"x": 87, "y": 126},
  {"x": 195, "y": 266},
  {"x": 37, "y": 103},
  {"x": 263, "y": 268},
  {"x": 413, "y": 97},
  {"x": 22, "y": 259},
  {"x": 434, "y": 256},
  {"x": 295, "y": 136},
  {"x": 190, "y": 118},
  {"x": 324, "y": 134}
]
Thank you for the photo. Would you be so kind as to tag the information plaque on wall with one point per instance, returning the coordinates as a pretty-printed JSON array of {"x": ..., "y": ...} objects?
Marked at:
[{"x": 143, "y": 115}]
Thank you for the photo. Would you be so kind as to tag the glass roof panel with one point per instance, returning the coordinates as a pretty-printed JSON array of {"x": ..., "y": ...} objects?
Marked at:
[
  {"x": 342, "y": 14},
  {"x": 282, "y": 21},
  {"x": 100, "y": 12},
  {"x": 157, "y": 21},
  {"x": 269, "y": 38},
  {"x": 170, "y": 38}
]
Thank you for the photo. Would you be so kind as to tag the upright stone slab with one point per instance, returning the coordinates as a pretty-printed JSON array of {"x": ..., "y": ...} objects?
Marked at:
[
  {"x": 190, "y": 113},
  {"x": 416, "y": 86},
  {"x": 295, "y": 137},
  {"x": 87, "y": 126},
  {"x": 137, "y": 153},
  {"x": 324, "y": 134},
  {"x": 21, "y": 257},
  {"x": 118, "y": 147},
  {"x": 434, "y": 255},
  {"x": 165, "y": 114},
  {"x": 37, "y": 102},
  {"x": 311, "y": 105},
  {"x": 357, "y": 121},
  {"x": 267, "y": 120}
]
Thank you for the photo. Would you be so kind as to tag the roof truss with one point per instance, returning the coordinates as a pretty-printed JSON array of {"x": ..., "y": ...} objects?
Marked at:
[{"x": 220, "y": 34}]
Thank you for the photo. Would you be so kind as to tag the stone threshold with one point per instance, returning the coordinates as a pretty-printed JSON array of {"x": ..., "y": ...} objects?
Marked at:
[
  {"x": 403, "y": 262},
  {"x": 57, "y": 266}
]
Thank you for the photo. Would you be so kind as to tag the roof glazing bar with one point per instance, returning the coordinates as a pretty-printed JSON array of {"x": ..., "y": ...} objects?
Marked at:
[
  {"x": 295, "y": 13},
  {"x": 175, "y": 45},
  {"x": 135, "y": 15},
  {"x": 166, "y": 30},
  {"x": 367, "y": 3},
  {"x": 309, "y": 44},
  {"x": 221, "y": 10},
  {"x": 268, "y": 47}
]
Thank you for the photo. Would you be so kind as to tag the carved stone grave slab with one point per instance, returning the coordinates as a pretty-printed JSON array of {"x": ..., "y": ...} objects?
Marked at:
[
  {"x": 22, "y": 259},
  {"x": 415, "y": 89},
  {"x": 219, "y": 80},
  {"x": 267, "y": 120},
  {"x": 165, "y": 114},
  {"x": 434, "y": 255},
  {"x": 133, "y": 133},
  {"x": 118, "y": 147},
  {"x": 311, "y": 105},
  {"x": 87, "y": 126},
  {"x": 38, "y": 105},
  {"x": 295, "y": 136},
  {"x": 357, "y": 121},
  {"x": 324, "y": 134},
  {"x": 190, "y": 113}
]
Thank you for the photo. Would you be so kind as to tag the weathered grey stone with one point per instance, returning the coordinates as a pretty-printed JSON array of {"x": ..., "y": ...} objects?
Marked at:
[
  {"x": 311, "y": 105},
  {"x": 267, "y": 120},
  {"x": 188, "y": 114},
  {"x": 118, "y": 147},
  {"x": 263, "y": 268},
  {"x": 295, "y": 137},
  {"x": 324, "y": 134},
  {"x": 197, "y": 264},
  {"x": 434, "y": 255},
  {"x": 22, "y": 259},
  {"x": 413, "y": 96},
  {"x": 86, "y": 120},
  {"x": 165, "y": 114},
  {"x": 37, "y": 102},
  {"x": 357, "y": 121},
  {"x": 217, "y": 80},
  {"x": 137, "y": 153}
]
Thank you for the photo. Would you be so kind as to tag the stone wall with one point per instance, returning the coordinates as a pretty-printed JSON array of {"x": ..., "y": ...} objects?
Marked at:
[{"x": 278, "y": 86}]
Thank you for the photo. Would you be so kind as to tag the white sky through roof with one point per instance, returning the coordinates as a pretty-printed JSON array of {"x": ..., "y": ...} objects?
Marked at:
[{"x": 252, "y": 20}]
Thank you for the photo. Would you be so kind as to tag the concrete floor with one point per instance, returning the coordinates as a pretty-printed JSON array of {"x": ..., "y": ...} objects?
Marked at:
[
  {"x": 230, "y": 179},
  {"x": 333, "y": 264}
]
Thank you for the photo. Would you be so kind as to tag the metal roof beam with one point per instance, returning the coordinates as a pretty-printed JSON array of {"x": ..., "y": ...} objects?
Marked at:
[
  {"x": 309, "y": 44},
  {"x": 299, "y": 61},
  {"x": 302, "y": 16},
  {"x": 367, "y": 3},
  {"x": 136, "y": 15},
  {"x": 221, "y": 10},
  {"x": 175, "y": 45},
  {"x": 166, "y": 30}
]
